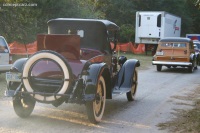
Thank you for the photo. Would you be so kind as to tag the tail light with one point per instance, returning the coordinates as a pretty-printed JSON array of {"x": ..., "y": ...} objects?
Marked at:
[{"x": 10, "y": 59}]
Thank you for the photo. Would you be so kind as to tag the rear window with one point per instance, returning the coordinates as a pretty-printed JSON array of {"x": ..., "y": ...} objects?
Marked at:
[
  {"x": 178, "y": 45},
  {"x": 3, "y": 46}
]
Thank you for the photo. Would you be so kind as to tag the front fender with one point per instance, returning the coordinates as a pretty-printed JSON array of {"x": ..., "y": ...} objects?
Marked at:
[
  {"x": 18, "y": 65},
  {"x": 125, "y": 75},
  {"x": 198, "y": 58},
  {"x": 192, "y": 56},
  {"x": 91, "y": 75}
]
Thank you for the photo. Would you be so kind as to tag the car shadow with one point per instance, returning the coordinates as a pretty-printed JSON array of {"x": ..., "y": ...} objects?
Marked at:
[
  {"x": 176, "y": 70},
  {"x": 50, "y": 117}
]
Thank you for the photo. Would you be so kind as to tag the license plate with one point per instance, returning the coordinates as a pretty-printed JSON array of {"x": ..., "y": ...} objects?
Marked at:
[
  {"x": 10, "y": 76},
  {"x": 160, "y": 53}
]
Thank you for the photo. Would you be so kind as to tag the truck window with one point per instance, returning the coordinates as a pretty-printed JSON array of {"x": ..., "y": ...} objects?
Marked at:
[
  {"x": 139, "y": 20},
  {"x": 159, "y": 20}
]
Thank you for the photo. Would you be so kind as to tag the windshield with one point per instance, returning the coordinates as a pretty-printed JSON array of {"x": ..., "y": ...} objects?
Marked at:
[
  {"x": 197, "y": 45},
  {"x": 3, "y": 46}
]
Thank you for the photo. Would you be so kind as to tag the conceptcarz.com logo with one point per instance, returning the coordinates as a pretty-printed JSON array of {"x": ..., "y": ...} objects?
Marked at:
[{"x": 18, "y": 5}]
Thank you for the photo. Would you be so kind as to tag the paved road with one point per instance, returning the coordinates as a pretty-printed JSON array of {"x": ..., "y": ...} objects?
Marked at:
[{"x": 154, "y": 103}]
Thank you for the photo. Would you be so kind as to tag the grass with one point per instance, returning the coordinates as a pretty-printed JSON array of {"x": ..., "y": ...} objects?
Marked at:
[{"x": 145, "y": 60}]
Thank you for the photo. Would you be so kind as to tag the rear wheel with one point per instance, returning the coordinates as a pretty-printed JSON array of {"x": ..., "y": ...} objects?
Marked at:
[
  {"x": 131, "y": 94},
  {"x": 159, "y": 68},
  {"x": 190, "y": 69},
  {"x": 23, "y": 105},
  {"x": 95, "y": 109}
]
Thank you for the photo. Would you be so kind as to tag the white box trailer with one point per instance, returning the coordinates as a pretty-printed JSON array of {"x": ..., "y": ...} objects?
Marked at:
[{"x": 151, "y": 26}]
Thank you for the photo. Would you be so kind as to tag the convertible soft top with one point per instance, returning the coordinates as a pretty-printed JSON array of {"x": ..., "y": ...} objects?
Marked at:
[
  {"x": 108, "y": 24},
  {"x": 94, "y": 33}
]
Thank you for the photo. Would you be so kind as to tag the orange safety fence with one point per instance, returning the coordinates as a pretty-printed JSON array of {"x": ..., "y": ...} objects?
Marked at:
[
  {"x": 130, "y": 47},
  {"x": 138, "y": 49},
  {"x": 20, "y": 49}
]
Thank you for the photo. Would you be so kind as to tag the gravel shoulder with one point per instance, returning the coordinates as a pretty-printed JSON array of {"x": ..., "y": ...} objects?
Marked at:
[{"x": 187, "y": 116}]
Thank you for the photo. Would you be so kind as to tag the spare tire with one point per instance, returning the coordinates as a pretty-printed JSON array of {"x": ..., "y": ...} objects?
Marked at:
[{"x": 47, "y": 73}]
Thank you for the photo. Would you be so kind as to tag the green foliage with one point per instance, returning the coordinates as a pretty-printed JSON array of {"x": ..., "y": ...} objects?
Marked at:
[
  {"x": 23, "y": 23},
  {"x": 89, "y": 9},
  {"x": 127, "y": 33},
  {"x": 16, "y": 23}
]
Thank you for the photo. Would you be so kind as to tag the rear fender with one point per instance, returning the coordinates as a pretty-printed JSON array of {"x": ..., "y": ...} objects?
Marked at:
[
  {"x": 14, "y": 87},
  {"x": 124, "y": 77},
  {"x": 90, "y": 78},
  {"x": 18, "y": 65}
]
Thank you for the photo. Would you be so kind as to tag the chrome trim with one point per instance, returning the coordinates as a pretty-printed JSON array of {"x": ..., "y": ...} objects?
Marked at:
[{"x": 172, "y": 63}]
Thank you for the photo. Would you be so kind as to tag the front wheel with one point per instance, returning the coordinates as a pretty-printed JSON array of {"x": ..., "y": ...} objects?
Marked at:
[
  {"x": 131, "y": 94},
  {"x": 23, "y": 105},
  {"x": 95, "y": 109}
]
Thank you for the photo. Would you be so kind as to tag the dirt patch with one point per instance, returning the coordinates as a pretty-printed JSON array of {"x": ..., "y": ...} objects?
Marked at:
[{"x": 186, "y": 120}]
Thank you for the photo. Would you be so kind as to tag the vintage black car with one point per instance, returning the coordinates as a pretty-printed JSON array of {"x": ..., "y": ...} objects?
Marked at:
[{"x": 75, "y": 63}]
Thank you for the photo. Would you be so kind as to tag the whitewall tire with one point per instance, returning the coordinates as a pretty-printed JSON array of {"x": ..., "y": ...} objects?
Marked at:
[{"x": 46, "y": 54}]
